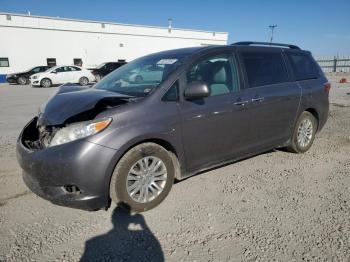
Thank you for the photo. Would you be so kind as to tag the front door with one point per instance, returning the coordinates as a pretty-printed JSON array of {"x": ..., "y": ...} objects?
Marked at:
[
  {"x": 215, "y": 127},
  {"x": 58, "y": 76}
]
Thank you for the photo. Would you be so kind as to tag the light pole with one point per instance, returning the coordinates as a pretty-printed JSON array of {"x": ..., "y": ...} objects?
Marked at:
[
  {"x": 170, "y": 24},
  {"x": 272, "y": 27}
]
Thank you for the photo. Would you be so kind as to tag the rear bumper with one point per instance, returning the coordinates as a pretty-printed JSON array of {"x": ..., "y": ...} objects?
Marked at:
[{"x": 82, "y": 164}]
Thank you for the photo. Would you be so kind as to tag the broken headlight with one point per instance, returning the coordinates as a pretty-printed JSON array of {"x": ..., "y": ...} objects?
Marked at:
[{"x": 79, "y": 130}]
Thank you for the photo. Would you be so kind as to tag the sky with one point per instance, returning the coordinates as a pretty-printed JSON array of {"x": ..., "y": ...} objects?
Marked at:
[{"x": 322, "y": 26}]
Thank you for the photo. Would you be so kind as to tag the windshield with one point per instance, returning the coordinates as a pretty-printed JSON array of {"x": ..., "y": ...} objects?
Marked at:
[
  {"x": 141, "y": 76},
  {"x": 52, "y": 68}
]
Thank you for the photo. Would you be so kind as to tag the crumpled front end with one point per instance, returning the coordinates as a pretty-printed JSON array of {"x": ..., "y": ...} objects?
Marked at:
[{"x": 74, "y": 174}]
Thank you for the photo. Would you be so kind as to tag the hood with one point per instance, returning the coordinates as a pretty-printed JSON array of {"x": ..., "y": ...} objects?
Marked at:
[
  {"x": 73, "y": 103},
  {"x": 18, "y": 73}
]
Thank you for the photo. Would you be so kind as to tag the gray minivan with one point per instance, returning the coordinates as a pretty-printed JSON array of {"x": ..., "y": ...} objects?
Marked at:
[{"x": 127, "y": 138}]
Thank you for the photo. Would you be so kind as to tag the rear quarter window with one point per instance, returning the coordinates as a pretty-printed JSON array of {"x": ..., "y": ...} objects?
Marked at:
[
  {"x": 304, "y": 66},
  {"x": 264, "y": 68}
]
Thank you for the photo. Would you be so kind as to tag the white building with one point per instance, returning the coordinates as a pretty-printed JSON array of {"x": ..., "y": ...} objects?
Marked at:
[{"x": 28, "y": 41}]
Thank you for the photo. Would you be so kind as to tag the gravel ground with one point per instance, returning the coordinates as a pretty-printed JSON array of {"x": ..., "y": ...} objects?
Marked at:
[{"x": 274, "y": 206}]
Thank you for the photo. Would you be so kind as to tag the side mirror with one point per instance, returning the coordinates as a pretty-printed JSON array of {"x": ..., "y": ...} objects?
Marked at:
[
  {"x": 53, "y": 72},
  {"x": 197, "y": 89}
]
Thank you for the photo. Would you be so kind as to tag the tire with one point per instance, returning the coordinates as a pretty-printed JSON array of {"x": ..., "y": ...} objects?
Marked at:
[
  {"x": 22, "y": 80},
  {"x": 45, "y": 82},
  {"x": 121, "y": 184},
  {"x": 138, "y": 79},
  {"x": 83, "y": 81},
  {"x": 299, "y": 144}
]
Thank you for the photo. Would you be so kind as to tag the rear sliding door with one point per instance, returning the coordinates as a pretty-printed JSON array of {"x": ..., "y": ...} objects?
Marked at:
[{"x": 274, "y": 97}]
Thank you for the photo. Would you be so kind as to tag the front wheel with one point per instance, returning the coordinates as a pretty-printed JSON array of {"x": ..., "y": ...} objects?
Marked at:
[
  {"x": 22, "y": 80},
  {"x": 304, "y": 133},
  {"x": 83, "y": 81},
  {"x": 143, "y": 177},
  {"x": 45, "y": 82}
]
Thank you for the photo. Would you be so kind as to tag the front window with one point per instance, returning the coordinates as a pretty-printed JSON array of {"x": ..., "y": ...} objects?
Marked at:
[
  {"x": 73, "y": 68},
  {"x": 218, "y": 72},
  {"x": 36, "y": 70},
  {"x": 61, "y": 69},
  {"x": 141, "y": 76}
]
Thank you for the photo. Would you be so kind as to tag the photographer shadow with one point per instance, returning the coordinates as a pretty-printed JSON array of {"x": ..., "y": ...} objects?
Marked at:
[{"x": 129, "y": 240}]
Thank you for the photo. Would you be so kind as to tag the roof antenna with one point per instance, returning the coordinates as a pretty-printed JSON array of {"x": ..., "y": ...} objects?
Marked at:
[{"x": 170, "y": 23}]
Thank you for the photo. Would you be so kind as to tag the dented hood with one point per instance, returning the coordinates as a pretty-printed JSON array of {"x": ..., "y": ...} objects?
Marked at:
[{"x": 76, "y": 103}]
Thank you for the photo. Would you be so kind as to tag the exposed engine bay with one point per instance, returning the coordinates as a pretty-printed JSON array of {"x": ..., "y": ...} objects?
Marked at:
[{"x": 67, "y": 107}]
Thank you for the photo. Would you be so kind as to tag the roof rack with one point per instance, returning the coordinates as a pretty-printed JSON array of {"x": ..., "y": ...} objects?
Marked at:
[{"x": 266, "y": 43}]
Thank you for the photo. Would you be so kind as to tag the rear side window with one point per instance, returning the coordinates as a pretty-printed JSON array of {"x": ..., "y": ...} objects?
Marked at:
[
  {"x": 304, "y": 67},
  {"x": 264, "y": 68}
]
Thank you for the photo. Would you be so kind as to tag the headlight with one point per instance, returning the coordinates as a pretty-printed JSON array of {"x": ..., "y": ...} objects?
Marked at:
[{"x": 80, "y": 130}]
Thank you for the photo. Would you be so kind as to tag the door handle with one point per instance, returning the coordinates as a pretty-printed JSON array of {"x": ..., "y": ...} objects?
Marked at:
[
  {"x": 241, "y": 103},
  {"x": 258, "y": 99}
]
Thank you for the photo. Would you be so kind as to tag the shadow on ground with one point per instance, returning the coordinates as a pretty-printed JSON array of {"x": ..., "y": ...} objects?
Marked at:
[{"x": 129, "y": 240}]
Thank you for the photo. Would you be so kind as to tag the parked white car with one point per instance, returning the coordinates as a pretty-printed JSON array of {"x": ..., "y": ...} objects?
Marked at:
[
  {"x": 61, "y": 75},
  {"x": 147, "y": 73}
]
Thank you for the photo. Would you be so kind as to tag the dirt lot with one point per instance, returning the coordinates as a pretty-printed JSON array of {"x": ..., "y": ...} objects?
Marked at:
[{"x": 275, "y": 206}]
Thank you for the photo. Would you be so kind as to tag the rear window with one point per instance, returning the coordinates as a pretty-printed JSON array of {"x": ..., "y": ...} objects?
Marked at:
[
  {"x": 304, "y": 67},
  {"x": 264, "y": 68}
]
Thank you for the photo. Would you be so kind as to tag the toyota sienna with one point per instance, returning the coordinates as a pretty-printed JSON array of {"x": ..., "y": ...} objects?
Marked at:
[{"x": 127, "y": 138}]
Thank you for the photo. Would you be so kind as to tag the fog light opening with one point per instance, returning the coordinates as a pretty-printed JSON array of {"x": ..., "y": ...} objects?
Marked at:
[{"x": 72, "y": 189}]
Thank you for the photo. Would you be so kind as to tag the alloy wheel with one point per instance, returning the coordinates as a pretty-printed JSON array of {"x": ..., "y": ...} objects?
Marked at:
[
  {"x": 146, "y": 179},
  {"x": 46, "y": 83},
  {"x": 305, "y": 133}
]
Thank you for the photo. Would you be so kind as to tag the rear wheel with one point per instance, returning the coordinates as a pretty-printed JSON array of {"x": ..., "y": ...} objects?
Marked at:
[
  {"x": 304, "y": 133},
  {"x": 45, "y": 82},
  {"x": 22, "y": 80},
  {"x": 143, "y": 177},
  {"x": 83, "y": 81}
]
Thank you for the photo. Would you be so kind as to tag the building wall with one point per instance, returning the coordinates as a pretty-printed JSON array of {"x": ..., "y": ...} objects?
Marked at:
[{"x": 28, "y": 41}]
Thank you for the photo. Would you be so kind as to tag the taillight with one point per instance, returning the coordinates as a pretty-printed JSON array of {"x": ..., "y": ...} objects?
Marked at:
[{"x": 327, "y": 87}]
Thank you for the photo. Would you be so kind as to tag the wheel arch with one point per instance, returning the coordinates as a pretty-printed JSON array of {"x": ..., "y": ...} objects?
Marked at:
[
  {"x": 314, "y": 112},
  {"x": 159, "y": 141},
  {"x": 169, "y": 147}
]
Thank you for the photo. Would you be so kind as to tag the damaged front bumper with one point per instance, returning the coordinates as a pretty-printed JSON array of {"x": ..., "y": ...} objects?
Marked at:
[{"x": 75, "y": 174}]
